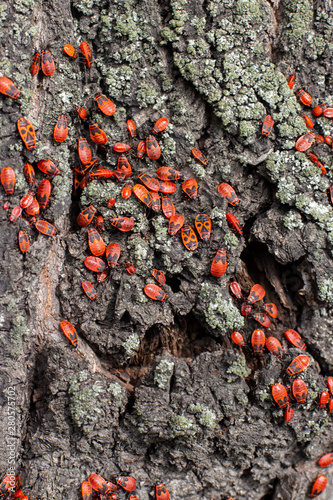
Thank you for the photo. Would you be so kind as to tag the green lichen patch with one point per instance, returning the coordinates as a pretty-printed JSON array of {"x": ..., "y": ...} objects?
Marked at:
[
  {"x": 132, "y": 344},
  {"x": 220, "y": 314},
  {"x": 163, "y": 373},
  {"x": 239, "y": 367}
]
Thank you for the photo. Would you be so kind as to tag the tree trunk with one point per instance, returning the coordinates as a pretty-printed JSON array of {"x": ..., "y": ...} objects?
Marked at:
[{"x": 157, "y": 390}]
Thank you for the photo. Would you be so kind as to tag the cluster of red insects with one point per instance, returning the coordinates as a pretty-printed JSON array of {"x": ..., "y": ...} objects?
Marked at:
[
  {"x": 97, "y": 488},
  {"x": 279, "y": 392},
  {"x": 148, "y": 194},
  {"x": 304, "y": 143}
]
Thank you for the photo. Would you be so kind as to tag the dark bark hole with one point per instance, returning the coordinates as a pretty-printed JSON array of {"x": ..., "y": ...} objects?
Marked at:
[
  {"x": 185, "y": 339},
  {"x": 174, "y": 282}
]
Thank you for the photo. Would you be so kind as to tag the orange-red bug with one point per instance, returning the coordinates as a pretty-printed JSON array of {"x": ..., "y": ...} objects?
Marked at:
[
  {"x": 70, "y": 51},
  {"x": 126, "y": 191},
  {"x": 99, "y": 484},
  {"x": 299, "y": 364},
  {"x": 158, "y": 276},
  {"x": 35, "y": 65},
  {"x": 323, "y": 400},
  {"x": 156, "y": 201},
  {"x": 295, "y": 339},
  {"x": 219, "y": 264},
  {"x": 151, "y": 183},
  {"x": 319, "y": 110},
  {"x": 273, "y": 345},
  {"x": 95, "y": 242},
  {"x": 124, "y": 224},
  {"x": 111, "y": 202},
  {"x": 257, "y": 292},
  {"x": 199, "y": 156},
  {"x": 99, "y": 224},
  {"x": 236, "y": 290},
  {"x": 6, "y": 205},
  {"x": 267, "y": 125},
  {"x": 86, "y": 216},
  {"x": 23, "y": 241},
  {"x": 81, "y": 112},
  {"x": 112, "y": 254},
  {"x": 129, "y": 267},
  {"x": 280, "y": 396},
  {"x": 190, "y": 187},
  {"x": 203, "y": 225},
  {"x": 329, "y": 382},
  {"x": 141, "y": 149},
  {"x": 304, "y": 97},
  {"x": 161, "y": 491},
  {"x": 308, "y": 122},
  {"x": 311, "y": 156},
  {"x": 167, "y": 187},
  {"x": 26, "y": 132},
  {"x": 168, "y": 208},
  {"x": 86, "y": 52},
  {"x": 60, "y": 132},
  {"x": 328, "y": 112},
  {"x": 101, "y": 173},
  {"x": 8, "y": 179},
  {"x": 262, "y": 318},
  {"x": 124, "y": 166},
  {"x": 176, "y": 222},
  {"x": 26, "y": 200},
  {"x": 319, "y": 139},
  {"x": 160, "y": 125},
  {"x": 291, "y": 81},
  {"x": 152, "y": 148},
  {"x": 258, "y": 341},
  {"x": 48, "y": 167},
  {"x": 228, "y": 193},
  {"x": 245, "y": 309},
  {"x": 86, "y": 491},
  {"x": 143, "y": 194},
  {"x": 131, "y": 127},
  {"x": 155, "y": 292},
  {"x": 8, "y": 88},
  {"x": 300, "y": 390},
  {"x": 121, "y": 147},
  {"x": 133, "y": 497},
  {"x": 89, "y": 290},
  {"x": 105, "y": 104},
  {"x": 234, "y": 223},
  {"x": 69, "y": 331},
  {"x": 29, "y": 173},
  {"x": 44, "y": 193},
  {"x": 45, "y": 228},
  {"x": 126, "y": 482},
  {"x": 305, "y": 141},
  {"x": 15, "y": 214},
  {"x": 288, "y": 413},
  {"x": 95, "y": 264},
  {"x": 101, "y": 276},
  {"x": 189, "y": 238},
  {"x": 271, "y": 309},
  {"x": 97, "y": 135},
  {"x": 168, "y": 174},
  {"x": 33, "y": 209},
  {"x": 237, "y": 338},
  {"x": 48, "y": 66},
  {"x": 84, "y": 151},
  {"x": 326, "y": 460},
  {"x": 318, "y": 486}
]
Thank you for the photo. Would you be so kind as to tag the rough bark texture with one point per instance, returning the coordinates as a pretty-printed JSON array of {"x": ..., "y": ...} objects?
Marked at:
[{"x": 189, "y": 408}]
